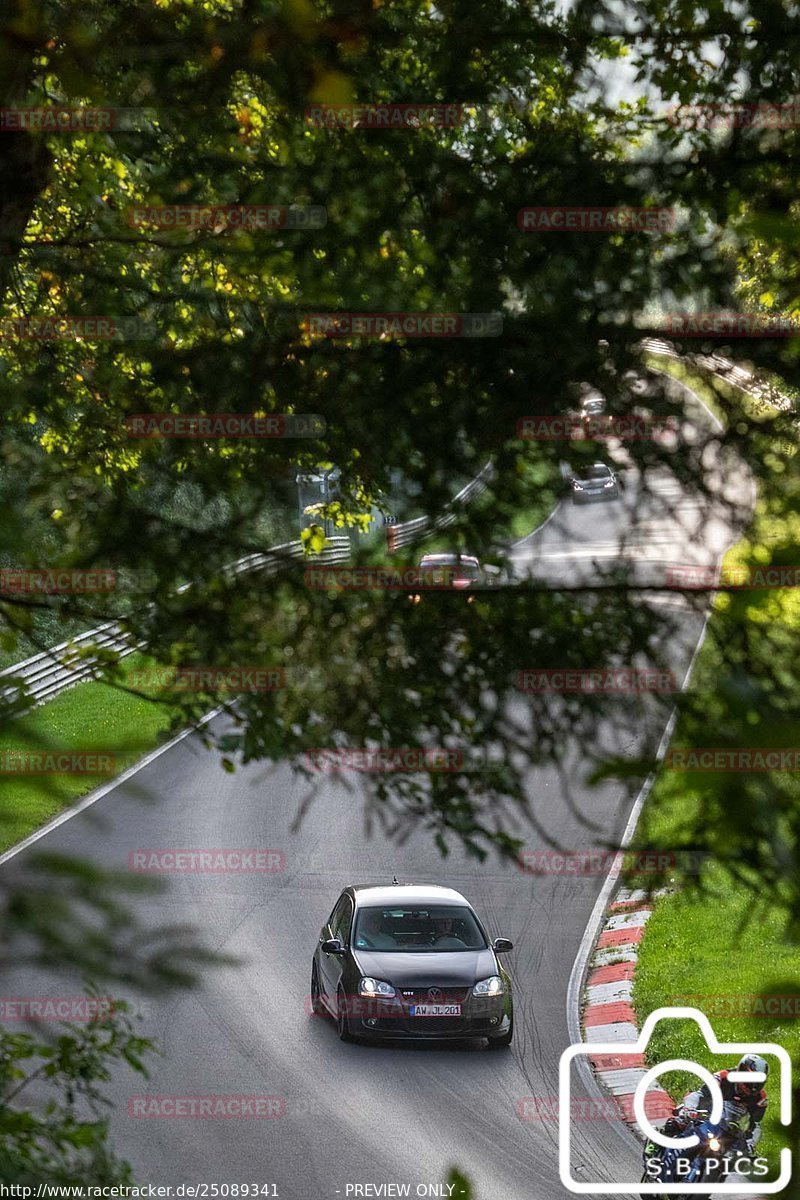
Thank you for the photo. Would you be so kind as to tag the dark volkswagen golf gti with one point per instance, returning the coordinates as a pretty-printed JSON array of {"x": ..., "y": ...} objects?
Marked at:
[{"x": 409, "y": 961}]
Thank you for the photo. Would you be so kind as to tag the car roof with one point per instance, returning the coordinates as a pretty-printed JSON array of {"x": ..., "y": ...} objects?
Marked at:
[
  {"x": 446, "y": 559},
  {"x": 449, "y": 556},
  {"x": 407, "y": 894}
]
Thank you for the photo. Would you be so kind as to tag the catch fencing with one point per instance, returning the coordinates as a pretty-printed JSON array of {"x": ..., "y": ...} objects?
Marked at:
[
  {"x": 408, "y": 532},
  {"x": 51, "y": 672}
]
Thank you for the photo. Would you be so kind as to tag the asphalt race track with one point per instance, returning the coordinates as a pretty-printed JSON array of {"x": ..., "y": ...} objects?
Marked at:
[{"x": 357, "y": 1114}]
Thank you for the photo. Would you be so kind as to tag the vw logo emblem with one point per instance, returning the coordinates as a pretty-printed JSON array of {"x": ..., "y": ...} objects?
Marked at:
[{"x": 434, "y": 993}]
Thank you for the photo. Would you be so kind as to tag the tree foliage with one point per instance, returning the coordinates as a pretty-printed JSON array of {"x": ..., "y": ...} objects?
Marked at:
[{"x": 418, "y": 220}]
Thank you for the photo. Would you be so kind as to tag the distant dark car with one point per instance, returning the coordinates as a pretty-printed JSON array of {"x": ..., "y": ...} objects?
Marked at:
[
  {"x": 597, "y": 482},
  {"x": 411, "y": 961}
]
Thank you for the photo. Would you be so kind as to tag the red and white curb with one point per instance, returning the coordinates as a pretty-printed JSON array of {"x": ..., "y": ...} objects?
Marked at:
[{"x": 608, "y": 1014}]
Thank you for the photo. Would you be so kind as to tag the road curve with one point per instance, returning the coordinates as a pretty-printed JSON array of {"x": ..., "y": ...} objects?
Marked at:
[{"x": 356, "y": 1114}]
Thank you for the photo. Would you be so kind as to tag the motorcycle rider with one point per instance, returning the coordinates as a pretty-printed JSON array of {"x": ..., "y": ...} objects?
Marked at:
[{"x": 750, "y": 1095}]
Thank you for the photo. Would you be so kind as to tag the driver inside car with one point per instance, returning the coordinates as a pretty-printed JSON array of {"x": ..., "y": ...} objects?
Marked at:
[
  {"x": 371, "y": 935},
  {"x": 442, "y": 935}
]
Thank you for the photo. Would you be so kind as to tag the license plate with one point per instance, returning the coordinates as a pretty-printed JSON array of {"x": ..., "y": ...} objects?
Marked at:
[{"x": 435, "y": 1010}]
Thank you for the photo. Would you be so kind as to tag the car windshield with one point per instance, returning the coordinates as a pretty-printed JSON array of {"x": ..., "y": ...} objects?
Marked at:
[
  {"x": 427, "y": 930},
  {"x": 593, "y": 406},
  {"x": 449, "y": 567},
  {"x": 596, "y": 473}
]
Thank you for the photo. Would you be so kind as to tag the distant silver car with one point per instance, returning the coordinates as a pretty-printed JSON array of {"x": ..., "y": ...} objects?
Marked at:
[
  {"x": 457, "y": 571},
  {"x": 597, "y": 482},
  {"x": 453, "y": 570}
]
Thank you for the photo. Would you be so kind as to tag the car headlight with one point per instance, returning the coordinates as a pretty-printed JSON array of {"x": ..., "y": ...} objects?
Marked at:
[
  {"x": 714, "y": 1144},
  {"x": 610, "y": 483},
  {"x": 374, "y": 987},
  {"x": 577, "y": 486},
  {"x": 493, "y": 986}
]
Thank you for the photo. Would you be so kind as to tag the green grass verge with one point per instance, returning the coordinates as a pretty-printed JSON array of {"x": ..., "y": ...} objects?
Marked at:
[
  {"x": 713, "y": 389},
  {"x": 723, "y": 952},
  {"x": 89, "y": 717},
  {"x": 98, "y": 717}
]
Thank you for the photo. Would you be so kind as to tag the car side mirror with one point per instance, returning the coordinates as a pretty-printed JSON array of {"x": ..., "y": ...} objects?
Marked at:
[
  {"x": 332, "y": 946},
  {"x": 502, "y": 945}
]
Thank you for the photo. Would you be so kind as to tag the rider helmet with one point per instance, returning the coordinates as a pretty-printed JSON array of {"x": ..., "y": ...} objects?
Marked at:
[{"x": 752, "y": 1062}]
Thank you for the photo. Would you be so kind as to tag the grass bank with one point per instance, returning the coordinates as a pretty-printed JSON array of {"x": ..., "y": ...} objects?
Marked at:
[
  {"x": 91, "y": 718},
  {"x": 728, "y": 951}
]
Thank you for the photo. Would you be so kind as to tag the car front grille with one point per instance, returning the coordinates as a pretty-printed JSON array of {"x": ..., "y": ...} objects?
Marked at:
[{"x": 409, "y": 996}]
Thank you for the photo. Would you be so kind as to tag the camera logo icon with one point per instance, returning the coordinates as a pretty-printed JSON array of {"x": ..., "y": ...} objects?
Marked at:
[{"x": 688, "y": 1143}]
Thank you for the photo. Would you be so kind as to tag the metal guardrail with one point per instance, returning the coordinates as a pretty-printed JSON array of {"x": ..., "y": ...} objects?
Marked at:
[
  {"x": 51, "y": 672},
  {"x": 47, "y": 674},
  {"x": 741, "y": 377},
  {"x": 44, "y": 675},
  {"x": 408, "y": 532}
]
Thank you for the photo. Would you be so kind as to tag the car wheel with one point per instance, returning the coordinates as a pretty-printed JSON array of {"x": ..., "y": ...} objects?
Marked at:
[
  {"x": 500, "y": 1043},
  {"x": 342, "y": 1023},
  {"x": 317, "y": 1007}
]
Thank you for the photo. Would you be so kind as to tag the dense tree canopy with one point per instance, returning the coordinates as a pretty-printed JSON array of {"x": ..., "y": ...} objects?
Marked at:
[
  {"x": 418, "y": 219},
  {"x": 207, "y": 103}
]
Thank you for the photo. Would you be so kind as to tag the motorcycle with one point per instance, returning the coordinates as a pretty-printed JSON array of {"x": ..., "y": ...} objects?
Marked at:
[{"x": 711, "y": 1160}]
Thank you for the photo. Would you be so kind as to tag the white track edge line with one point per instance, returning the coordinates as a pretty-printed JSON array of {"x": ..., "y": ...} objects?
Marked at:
[
  {"x": 98, "y": 793},
  {"x": 538, "y": 528},
  {"x": 591, "y": 932}
]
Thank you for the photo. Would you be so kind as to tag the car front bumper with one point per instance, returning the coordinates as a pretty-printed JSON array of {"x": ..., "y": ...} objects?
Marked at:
[
  {"x": 588, "y": 497},
  {"x": 490, "y": 1019}
]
